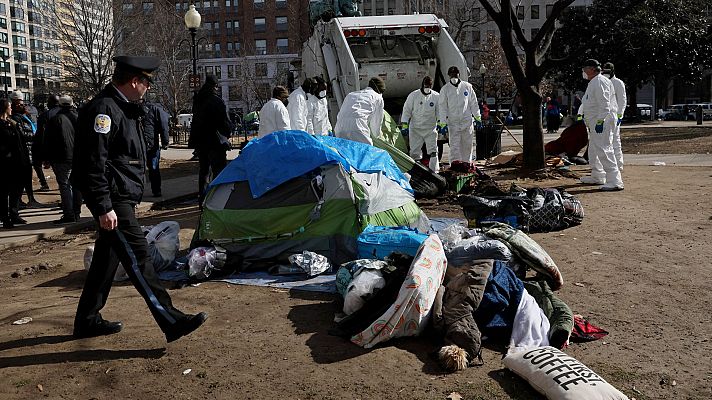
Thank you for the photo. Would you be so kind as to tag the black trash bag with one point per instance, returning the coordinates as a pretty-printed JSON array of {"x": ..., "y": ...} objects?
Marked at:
[
  {"x": 547, "y": 211},
  {"x": 511, "y": 210},
  {"x": 425, "y": 183}
]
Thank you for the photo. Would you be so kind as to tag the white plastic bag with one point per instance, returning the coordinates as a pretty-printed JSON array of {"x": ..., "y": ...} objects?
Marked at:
[
  {"x": 120, "y": 274},
  {"x": 203, "y": 260},
  {"x": 163, "y": 244},
  {"x": 363, "y": 286},
  {"x": 312, "y": 263},
  {"x": 451, "y": 235}
]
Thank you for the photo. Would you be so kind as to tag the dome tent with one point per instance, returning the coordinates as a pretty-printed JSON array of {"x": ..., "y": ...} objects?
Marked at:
[{"x": 291, "y": 191}]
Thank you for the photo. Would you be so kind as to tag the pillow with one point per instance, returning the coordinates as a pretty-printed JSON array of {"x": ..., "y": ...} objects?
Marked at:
[{"x": 559, "y": 376}]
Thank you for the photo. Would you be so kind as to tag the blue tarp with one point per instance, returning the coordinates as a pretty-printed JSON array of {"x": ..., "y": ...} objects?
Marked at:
[{"x": 278, "y": 157}]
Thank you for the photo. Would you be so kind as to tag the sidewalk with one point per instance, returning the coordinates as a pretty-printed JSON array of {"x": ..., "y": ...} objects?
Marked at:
[{"x": 40, "y": 220}]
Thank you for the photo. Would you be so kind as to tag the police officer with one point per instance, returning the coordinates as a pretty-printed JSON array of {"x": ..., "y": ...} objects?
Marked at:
[{"x": 109, "y": 170}]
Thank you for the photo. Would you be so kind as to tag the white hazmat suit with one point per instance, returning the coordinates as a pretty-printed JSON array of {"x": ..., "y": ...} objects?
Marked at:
[
  {"x": 621, "y": 100},
  {"x": 360, "y": 116},
  {"x": 458, "y": 103},
  {"x": 599, "y": 107},
  {"x": 273, "y": 117},
  {"x": 318, "y": 116},
  {"x": 297, "y": 108},
  {"x": 420, "y": 112}
]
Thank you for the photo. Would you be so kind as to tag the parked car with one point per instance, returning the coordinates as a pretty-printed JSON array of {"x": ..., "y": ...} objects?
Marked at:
[
  {"x": 706, "y": 111},
  {"x": 676, "y": 112},
  {"x": 645, "y": 113}
]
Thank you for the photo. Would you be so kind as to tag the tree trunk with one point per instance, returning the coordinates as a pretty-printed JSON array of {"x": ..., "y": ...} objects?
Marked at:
[{"x": 533, "y": 131}]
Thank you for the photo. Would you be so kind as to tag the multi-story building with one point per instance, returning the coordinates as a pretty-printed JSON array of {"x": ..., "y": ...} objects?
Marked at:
[
  {"x": 29, "y": 48},
  {"x": 249, "y": 45}
]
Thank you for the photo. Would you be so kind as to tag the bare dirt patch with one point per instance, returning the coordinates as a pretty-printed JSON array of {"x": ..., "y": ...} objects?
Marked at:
[{"x": 640, "y": 260}]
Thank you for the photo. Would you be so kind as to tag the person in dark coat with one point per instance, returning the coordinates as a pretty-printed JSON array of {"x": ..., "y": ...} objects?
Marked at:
[
  {"x": 209, "y": 134},
  {"x": 13, "y": 157},
  {"x": 109, "y": 164},
  {"x": 39, "y": 148},
  {"x": 28, "y": 129},
  {"x": 156, "y": 130},
  {"x": 58, "y": 138}
]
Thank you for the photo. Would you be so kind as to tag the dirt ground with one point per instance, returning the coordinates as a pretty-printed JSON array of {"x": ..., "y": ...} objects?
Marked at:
[{"x": 638, "y": 267}]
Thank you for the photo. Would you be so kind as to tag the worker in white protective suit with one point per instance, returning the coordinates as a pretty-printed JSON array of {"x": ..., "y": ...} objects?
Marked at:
[
  {"x": 419, "y": 122},
  {"x": 297, "y": 106},
  {"x": 599, "y": 109},
  {"x": 361, "y": 113},
  {"x": 318, "y": 109},
  {"x": 622, "y": 100},
  {"x": 274, "y": 115},
  {"x": 458, "y": 105}
]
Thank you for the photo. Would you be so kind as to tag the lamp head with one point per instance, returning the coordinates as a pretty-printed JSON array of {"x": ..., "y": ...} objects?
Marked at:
[
  {"x": 483, "y": 69},
  {"x": 192, "y": 18}
]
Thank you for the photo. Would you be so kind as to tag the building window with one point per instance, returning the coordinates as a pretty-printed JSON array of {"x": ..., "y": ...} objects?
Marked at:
[
  {"x": 549, "y": 9},
  {"x": 218, "y": 70},
  {"x": 520, "y": 12},
  {"x": 260, "y": 47},
  {"x": 535, "y": 11},
  {"x": 147, "y": 6},
  {"x": 259, "y": 4},
  {"x": 20, "y": 55},
  {"x": 476, "y": 35},
  {"x": 230, "y": 68},
  {"x": 216, "y": 28},
  {"x": 283, "y": 46},
  {"x": 18, "y": 26},
  {"x": 217, "y": 54},
  {"x": 475, "y": 14},
  {"x": 127, "y": 7},
  {"x": 3, "y": 22},
  {"x": 19, "y": 41},
  {"x": 261, "y": 70},
  {"x": 233, "y": 93},
  {"x": 281, "y": 3},
  {"x": 3, "y": 37},
  {"x": 281, "y": 23},
  {"x": 16, "y": 12},
  {"x": 260, "y": 25},
  {"x": 3, "y": 9},
  {"x": 209, "y": 70}
]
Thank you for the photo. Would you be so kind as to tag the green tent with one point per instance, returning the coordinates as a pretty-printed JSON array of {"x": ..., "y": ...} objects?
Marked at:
[{"x": 322, "y": 211}]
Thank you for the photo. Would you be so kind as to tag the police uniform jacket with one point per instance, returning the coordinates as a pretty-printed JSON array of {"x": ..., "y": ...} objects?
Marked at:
[{"x": 109, "y": 157}]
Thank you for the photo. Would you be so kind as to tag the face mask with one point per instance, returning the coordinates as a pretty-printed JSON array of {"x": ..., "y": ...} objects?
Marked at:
[
  {"x": 583, "y": 74},
  {"x": 454, "y": 81},
  {"x": 322, "y": 94},
  {"x": 427, "y": 90}
]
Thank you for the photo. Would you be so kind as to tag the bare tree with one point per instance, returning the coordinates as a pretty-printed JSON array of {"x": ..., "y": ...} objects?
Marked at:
[
  {"x": 528, "y": 73},
  {"x": 89, "y": 40}
]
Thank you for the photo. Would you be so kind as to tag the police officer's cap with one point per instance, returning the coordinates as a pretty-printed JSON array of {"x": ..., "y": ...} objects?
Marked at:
[
  {"x": 593, "y": 63},
  {"x": 142, "y": 65}
]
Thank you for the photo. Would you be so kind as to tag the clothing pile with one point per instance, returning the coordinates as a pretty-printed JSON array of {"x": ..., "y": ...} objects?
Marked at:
[{"x": 484, "y": 294}]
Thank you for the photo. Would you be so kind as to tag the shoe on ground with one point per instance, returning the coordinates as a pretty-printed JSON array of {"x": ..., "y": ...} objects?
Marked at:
[
  {"x": 44, "y": 188},
  {"x": 589, "y": 180},
  {"x": 18, "y": 221},
  {"x": 186, "y": 326},
  {"x": 616, "y": 188},
  {"x": 100, "y": 328},
  {"x": 64, "y": 220}
]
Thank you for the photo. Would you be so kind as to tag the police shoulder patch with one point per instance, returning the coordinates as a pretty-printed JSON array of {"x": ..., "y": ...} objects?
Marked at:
[{"x": 102, "y": 123}]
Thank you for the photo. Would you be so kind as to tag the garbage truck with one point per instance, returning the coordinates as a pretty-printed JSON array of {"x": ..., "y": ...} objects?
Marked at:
[{"x": 400, "y": 49}]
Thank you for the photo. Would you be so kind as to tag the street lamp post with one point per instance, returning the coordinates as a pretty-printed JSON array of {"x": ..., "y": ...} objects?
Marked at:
[
  {"x": 483, "y": 70},
  {"x": 192, "y": 22}
]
